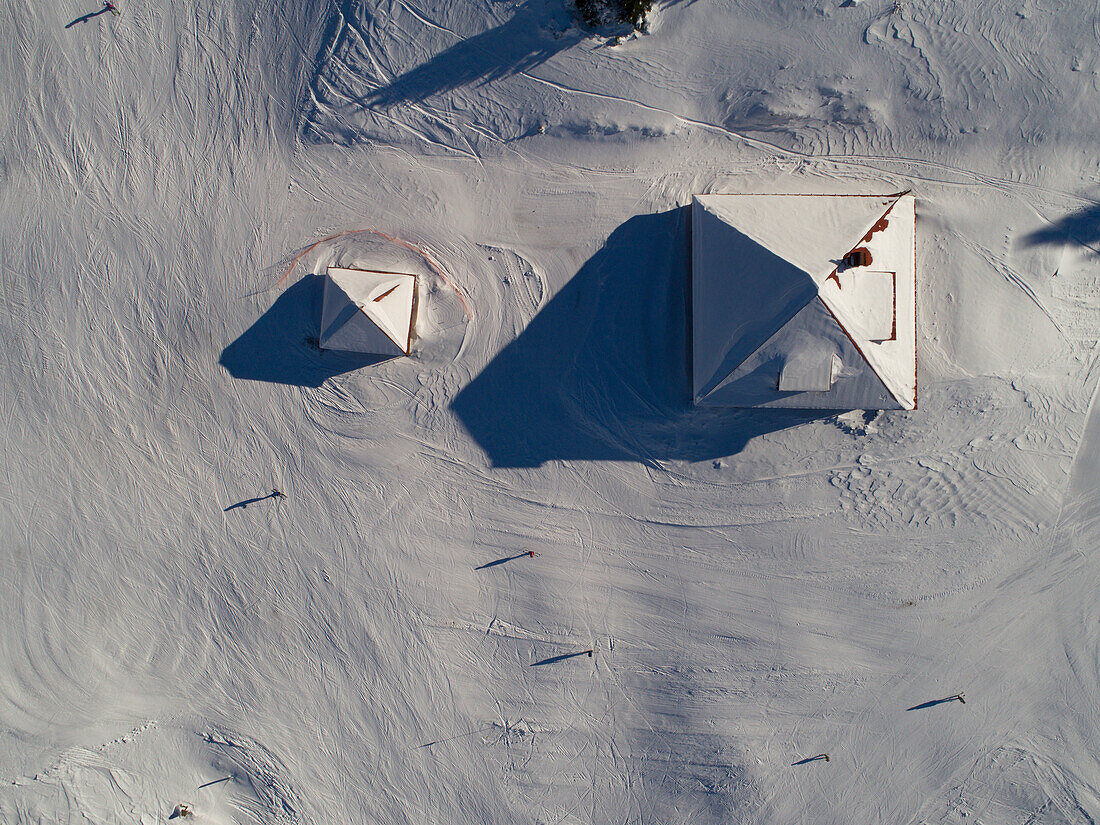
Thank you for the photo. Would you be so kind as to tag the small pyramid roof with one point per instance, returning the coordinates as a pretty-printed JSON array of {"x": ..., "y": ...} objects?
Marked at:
[
  {"x": 769, "y": 283},
  {"x": 367, "y": 311}
]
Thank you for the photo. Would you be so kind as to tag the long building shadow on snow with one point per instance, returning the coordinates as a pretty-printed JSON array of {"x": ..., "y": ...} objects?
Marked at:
[
  {"x": 281, "y": 346},
  {"x": 602, "y": 372}
]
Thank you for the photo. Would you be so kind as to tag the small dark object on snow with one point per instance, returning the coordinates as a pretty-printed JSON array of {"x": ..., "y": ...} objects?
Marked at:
[{"x": 858, "y": 257}]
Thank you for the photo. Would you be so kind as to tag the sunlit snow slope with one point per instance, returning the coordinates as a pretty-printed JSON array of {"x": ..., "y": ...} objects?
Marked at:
[{"x": 377, "y": 645}]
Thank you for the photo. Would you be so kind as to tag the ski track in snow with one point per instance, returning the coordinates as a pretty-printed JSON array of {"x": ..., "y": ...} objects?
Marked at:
[{"x": 377, "y": 645}]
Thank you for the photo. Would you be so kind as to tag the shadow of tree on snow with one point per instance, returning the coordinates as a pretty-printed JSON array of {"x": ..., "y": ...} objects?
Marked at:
[
  {"x": 1082, "y": 226},
  {"x": 520, "y": 44},
  {"x": 346, "y": 94}
]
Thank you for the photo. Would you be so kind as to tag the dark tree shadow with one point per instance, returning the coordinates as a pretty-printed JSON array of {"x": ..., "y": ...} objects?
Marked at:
[
  {"x": 1082, "y": 226},
  {"x": 602, "y": 372},
  {"x": 281, "y": 347},
  {"x": 346, "y": 81},
  {"x": 518, "y": 45}
]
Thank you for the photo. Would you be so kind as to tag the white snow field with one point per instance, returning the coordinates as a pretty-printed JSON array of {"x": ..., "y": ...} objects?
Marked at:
[{"x": 757, "y": 587}]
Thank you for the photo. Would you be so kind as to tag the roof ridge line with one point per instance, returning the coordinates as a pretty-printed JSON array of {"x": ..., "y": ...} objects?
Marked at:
[
  {"x": 871, "y": 362},
  {"x": 764, "y": 343}
]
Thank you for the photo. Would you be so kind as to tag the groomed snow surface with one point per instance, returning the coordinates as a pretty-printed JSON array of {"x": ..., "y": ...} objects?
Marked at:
[{"x": 757, "y": 587}]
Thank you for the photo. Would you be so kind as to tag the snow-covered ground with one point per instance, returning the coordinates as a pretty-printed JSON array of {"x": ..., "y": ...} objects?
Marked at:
[{"x": 757, "y": 587}]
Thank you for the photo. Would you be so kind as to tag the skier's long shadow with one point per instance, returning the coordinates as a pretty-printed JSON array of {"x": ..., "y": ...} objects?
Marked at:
[
  {"x": 244, "y": 504},
  {"x": 935, "y": 702},
  {"x": 504, "y": 560},
  {"x": 86, "y": 17},
  {"x": 562, "y": 658}
]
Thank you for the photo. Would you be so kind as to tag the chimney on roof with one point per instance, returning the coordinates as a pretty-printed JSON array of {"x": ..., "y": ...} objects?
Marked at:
[{"x": 860, "y": 256}]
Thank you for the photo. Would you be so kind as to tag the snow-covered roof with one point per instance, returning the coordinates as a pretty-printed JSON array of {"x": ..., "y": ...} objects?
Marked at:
[
  {"x": 775, "y": 305},
  {"x": 809, "y": 369},
  {"x": 365, "y": 311}
]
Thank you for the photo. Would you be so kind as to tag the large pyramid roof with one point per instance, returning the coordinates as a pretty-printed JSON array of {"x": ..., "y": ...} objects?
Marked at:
[
  {"x": 364, "y": 311},
  {"x": 778, "y": 318}
]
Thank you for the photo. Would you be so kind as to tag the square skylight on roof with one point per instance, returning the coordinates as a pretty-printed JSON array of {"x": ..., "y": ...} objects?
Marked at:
[{"x": 871, "y": 298}]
